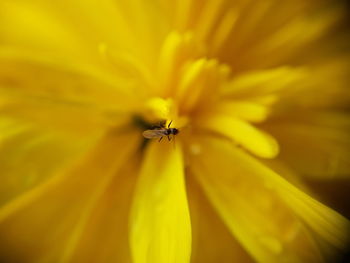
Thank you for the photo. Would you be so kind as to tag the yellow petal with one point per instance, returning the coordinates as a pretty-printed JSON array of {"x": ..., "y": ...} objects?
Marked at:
[
  {"x": 325, "y": 139},
  {"x": 262, "y": 210},
  {"x": 58, "y": 98},
  {"x": 211, "y": 239},
  {"x": 329, "y": 91},
  {"x": 182, "y": 10},
  {"x": 59, "y": 82},
  {"x": 29, "y": 156},
  {"x": 55, "y": 27},
  {"x": 192, "y": 77},
  {"x": 246, "y": 135},
  {"x": 105, "y": 220},
  {"x": 160, "y": 221},
  {"x": 65, "y": 201},
  {"x": 195, "y": 90},
  {"x": 263, "y": 82},
  {"x": 26, "y": 25},
  {"x": 176, "y": 50},
  {"x": 284, "y": 38},
  {"x": 246, "y": 110},
  {"x": 148, "y": 22},
  {"x": 14, "y": 59},
  {"x": 207, "y": 18},
  {"x": 10, "y": 127},
  {"x": 224, "y": 29}
]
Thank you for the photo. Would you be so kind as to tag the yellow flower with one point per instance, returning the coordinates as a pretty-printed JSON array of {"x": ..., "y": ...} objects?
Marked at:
[{"x": 256, "y": 89}]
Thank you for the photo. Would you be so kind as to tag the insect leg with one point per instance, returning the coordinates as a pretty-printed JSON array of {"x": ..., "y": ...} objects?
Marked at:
[
  {"x": 169, "y": 139},
  {"x": 169, "y": 124},
  {"x": 160, "y": 139}
]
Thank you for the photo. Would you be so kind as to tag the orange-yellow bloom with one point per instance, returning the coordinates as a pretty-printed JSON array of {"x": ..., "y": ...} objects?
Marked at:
[{"x": 257, "y": 89}]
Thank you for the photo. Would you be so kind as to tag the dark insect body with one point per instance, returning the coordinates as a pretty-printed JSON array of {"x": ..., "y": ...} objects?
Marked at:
[{"x": 160, "y": 131}]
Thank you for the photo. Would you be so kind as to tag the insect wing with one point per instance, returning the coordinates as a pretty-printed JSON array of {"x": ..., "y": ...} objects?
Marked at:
[{"x": 151, "y": 134}]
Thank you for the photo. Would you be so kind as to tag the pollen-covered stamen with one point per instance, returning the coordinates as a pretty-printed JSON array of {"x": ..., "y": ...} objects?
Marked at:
[
  {"x": 159, "y": 112},
  {"x": 158, "y": 118},
  {"x": 156, "y": 109}
]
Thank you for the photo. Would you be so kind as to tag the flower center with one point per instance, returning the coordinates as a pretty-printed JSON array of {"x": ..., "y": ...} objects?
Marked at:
[
  {"x": 158, "y": 111},
  {"x": 190, "y": 94}
]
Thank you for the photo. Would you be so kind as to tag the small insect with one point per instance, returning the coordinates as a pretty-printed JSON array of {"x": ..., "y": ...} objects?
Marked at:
[{"x": 160, "y": 131}]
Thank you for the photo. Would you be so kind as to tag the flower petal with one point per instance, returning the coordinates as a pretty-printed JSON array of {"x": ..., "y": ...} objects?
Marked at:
[
  {"x": 246, "y": 110},
  {"x": 29, "y": 156},
  {"x": 65, "y": 201},
  {"x": 54, "y": 80},
  {"x": 286, "y": 40},
  {"x": 55, "y": 26},
  {"x": 26, "y": 25},
  {"x": 207, "y": 18},
  {"x": 245, "y": 134},
  {"x": 212, "y": 240},
  {"x": 325, "y": 137},
  {"x": 59, "y": 98},
  {"x": 160, "y": 221},
  {"x": 263, "y": 82},
  {"x": 54, "y": 30},
  {"x": 105, "y": 220},
  {"x": 265, "y": 212}
]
